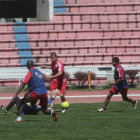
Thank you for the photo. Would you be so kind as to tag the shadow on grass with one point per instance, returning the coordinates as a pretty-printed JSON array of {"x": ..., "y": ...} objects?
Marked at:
[
  {"x": 117, "y": 111},
  {"x": 33, "y": 120}
]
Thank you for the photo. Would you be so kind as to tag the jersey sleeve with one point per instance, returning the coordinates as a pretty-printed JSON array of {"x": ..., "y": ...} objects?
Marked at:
[
  {"x": 27, "y": 78},
  {"x": 121, "y": 73},
  {"x": 60, "y": 67}
]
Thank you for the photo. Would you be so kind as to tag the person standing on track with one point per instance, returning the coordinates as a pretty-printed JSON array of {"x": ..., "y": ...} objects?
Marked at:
[
  {"x": 58, "y": 77},
  {"x": 119, "y": 85},
  {"x": 37, "y": 90},
  {"x": 89, "y": 80}
]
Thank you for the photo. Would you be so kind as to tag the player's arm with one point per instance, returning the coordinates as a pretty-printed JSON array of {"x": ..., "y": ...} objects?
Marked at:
[
  {"x": 119, "y": 80},
  {"x": 56, "y": 75},
  {"x": 24, "y": 82},
  {"x": 21, "y": 87},
  {"x": 44, "y": 66},
  {"x": 121, "y": 77}
]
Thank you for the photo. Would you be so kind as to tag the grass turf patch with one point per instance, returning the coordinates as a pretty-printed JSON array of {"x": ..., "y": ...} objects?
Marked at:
[{"x": 80, "y": 122}]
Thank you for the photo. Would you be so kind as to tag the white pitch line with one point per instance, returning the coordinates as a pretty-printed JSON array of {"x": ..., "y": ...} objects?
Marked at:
[
  {"x": 95, "y": 96},
  {"x": 81, "y": 96}
]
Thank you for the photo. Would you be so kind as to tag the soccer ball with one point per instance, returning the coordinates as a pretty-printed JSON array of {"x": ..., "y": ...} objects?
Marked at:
[{"x": 65, "y": 105}]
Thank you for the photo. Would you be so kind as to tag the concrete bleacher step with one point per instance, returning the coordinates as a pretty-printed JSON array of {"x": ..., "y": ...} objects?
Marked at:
[
  {"x": 77, "y": 25},
  {"x": 6, "y": 26},
  {"x": 74, "y": 49},
  {"x": 94, "y": 63},
  {"x": 44, "y": 34},
  {"x": 96, "y": 16},
  {"x": 97, "y": 1},
  {"x": 85, "y": 41},
  {"x": 86, "y": 49},
  {"x": 125, "y": 57},
  {"x": 101, "y": 7},
  {"x": 76, "y": 41},
  {"x": 82, "y": 63}
]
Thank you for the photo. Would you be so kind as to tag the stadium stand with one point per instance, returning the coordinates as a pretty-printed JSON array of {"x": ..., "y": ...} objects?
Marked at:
[{"x": 83, "y": 33}]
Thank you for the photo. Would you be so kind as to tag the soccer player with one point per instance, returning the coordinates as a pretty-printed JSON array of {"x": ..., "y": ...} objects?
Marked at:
[
  {"x": 37, "y": 90},
  {"x": 28, "y": 109},
  {"x": 120, "y": 85},
  {"x": 58, "y": 77}
]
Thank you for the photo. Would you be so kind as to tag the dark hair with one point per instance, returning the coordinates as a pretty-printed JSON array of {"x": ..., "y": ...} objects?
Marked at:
[
  {"x": 116, "y": 59},
  {"x": 30, "y": 64},
  {"x": 53, "y": 54}
]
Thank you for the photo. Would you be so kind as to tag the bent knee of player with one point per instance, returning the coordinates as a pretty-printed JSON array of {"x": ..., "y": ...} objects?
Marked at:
[
  {"x": 125, "y": 98},
  {"x": 109, "y": 95}
]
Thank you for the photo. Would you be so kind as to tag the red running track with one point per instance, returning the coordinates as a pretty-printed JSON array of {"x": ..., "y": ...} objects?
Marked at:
[{"x": 78, "y": 96}]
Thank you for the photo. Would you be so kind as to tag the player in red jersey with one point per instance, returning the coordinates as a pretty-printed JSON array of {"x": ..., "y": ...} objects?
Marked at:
[
  {"x": 59, "y": 81},
  {"x": 119, "y": 85},
  {"x": 37, "y": 90}
]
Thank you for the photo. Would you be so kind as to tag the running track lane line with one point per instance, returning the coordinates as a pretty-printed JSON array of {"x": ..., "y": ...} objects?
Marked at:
[{"x": 82, "y": 96}]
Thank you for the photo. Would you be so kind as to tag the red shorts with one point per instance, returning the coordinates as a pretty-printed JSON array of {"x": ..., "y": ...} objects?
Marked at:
[
  {"x": 122, "y": 92},
  {"x": 43, "y": 99},
  {"x": 61, "y": 87}
]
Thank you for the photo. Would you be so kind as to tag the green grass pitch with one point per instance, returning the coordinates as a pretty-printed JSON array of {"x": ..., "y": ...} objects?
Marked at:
[{"x": 80, "y": 122}]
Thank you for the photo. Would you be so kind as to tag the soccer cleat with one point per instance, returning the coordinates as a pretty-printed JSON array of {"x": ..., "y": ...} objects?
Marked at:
[
  {"x": 54, "y": 116},
  {"x": 135, "y": 105},
  {"x": 101, "y": 110},
  {"x": 18, "y": 120},
  {"x": 49, "y": 108},
  {"x": 63, "y": 111},
  {"x": 3, "y": 109}
]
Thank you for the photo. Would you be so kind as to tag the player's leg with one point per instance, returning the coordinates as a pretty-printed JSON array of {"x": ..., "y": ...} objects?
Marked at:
[
  {"x": 44, "y": 103},
  {"x": 27, "y": 98},
  {"x": 56, "y": 92},
  {"x": 62, "y": 94},
  {"x": 18, "y": 100},
  {"x": 53, "y": 95},
  {"x": 52, "y": 91},
  {"x": 63, "y": 91},
  {"x": 11, "y": 104},
  {"x": 124, "y": 92},
  {"x": 107, "y": 100}
]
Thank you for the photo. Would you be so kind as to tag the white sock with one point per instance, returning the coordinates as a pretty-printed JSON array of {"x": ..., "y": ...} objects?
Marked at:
[
  {"x": 19, "y": 118},
  {"x": 52, "y": 111}
]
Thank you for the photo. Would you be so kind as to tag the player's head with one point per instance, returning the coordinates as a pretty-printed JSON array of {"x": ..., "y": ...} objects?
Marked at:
[
  {"x": 53, "y": 57},
  {"x": 115, "y": 61},
  {"x": 30, "y": 64}
]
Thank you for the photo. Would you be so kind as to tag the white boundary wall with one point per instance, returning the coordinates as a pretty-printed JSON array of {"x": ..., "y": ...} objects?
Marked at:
[{"x": 19, "y": 73}]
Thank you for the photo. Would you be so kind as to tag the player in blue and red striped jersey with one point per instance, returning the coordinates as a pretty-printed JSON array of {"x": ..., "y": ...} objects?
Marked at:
[
  {"x": 120, "y": 85},
  {"x": 37, "y": 90}
]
